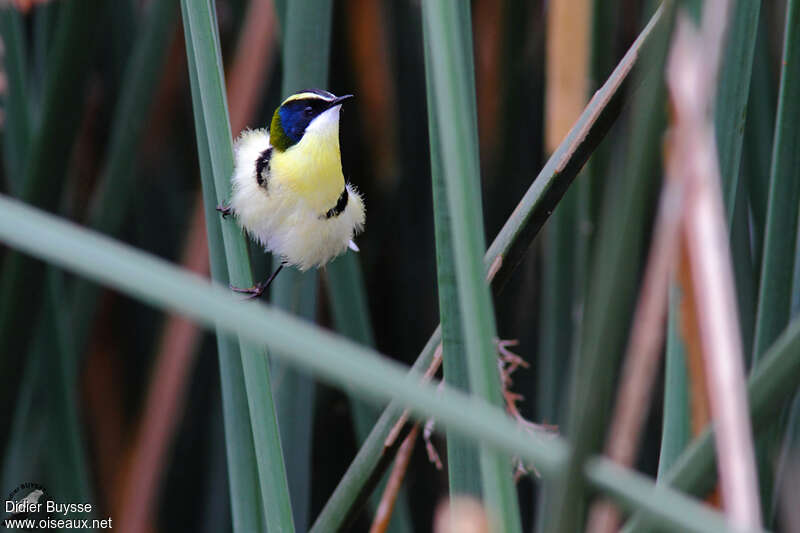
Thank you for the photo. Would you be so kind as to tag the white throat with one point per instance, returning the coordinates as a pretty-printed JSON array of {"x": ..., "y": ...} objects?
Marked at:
[{"x": 325, "y": 123}]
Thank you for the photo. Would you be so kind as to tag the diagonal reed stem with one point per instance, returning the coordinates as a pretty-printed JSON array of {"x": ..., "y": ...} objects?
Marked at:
[
  {"x": 344, "y": 363},
  {"x": 501, "y": 258}
]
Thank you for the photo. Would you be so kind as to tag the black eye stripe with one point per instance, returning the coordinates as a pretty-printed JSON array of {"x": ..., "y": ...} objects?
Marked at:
[
  {"x": 317, "y": 106},
  {"x": 293, "y": 118}
]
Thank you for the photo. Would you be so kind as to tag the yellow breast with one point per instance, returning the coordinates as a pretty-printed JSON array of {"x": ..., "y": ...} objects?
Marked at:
[{"x": 312, "y": 168}]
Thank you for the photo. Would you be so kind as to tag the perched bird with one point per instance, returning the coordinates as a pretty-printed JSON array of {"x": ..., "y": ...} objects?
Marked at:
[
  {"x": 26, "y": 506},
  {"x": 289, "y": 192}
]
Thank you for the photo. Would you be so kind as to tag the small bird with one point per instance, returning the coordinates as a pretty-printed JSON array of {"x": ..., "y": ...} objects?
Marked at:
[
  {"x": 289, "y": 192},
  {"x": 26, "y": 506}
]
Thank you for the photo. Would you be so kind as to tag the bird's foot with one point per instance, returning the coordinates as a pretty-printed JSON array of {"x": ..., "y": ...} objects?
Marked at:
[
  {"x": 252, "y": 292},
  {"x": 225, "y": 210},
  {"x": 259, "y": 288}
]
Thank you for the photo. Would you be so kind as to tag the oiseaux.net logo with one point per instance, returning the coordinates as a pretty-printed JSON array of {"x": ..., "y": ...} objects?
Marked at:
[{"x": 29, "y": 508}]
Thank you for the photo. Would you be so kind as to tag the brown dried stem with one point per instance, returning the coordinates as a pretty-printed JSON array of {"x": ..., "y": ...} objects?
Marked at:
[
  {"x": 371, "y": 61},
  {"x": 568, "y": 30},
  {"x": 694, "y": 160},
  {"x": 427, "y": 435},
  {"x": 384, "y": 512},
  {"x": 693, "y": 179},
  {"x": 397, "y": 429},
  {"x": 643, "y": 356}
]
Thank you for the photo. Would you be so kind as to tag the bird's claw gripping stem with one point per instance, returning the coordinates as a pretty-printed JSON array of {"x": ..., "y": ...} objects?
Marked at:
[
  {"x": 225, "y": 210},
  {"x": 252, "y": 292},
  {"x": 259, "y": 288}
]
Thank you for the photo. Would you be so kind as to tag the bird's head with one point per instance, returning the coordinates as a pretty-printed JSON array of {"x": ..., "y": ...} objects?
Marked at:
[{"x": 309, "y": 110}]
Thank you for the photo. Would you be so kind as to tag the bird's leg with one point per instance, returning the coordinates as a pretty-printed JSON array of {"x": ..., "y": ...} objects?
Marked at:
[
  {"x": 225, "y": 210},
  {"x": 259, "y": 288}
]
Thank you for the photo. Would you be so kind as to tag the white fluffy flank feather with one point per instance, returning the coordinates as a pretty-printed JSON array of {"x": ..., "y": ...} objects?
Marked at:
[{"x": 280, "y": 219}]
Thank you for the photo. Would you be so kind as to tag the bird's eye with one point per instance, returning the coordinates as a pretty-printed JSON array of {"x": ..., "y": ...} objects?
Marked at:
[{"x": 308, "y": 111}]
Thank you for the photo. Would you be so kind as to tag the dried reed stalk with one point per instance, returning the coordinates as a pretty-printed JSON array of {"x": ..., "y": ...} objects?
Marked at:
[
  {"x": 690, "y": 78},
  {"x": 643, "y": 355},
  {"x": 693, "y": 179},
  {"x": 383, "y": 514}
]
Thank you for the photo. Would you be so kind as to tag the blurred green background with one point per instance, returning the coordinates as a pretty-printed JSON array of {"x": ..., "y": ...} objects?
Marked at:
[{"x": 111, "y": 401}]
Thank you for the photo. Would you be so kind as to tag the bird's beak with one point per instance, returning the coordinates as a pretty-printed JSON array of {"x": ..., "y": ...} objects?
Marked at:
[{"x": 339, "y": 100}]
